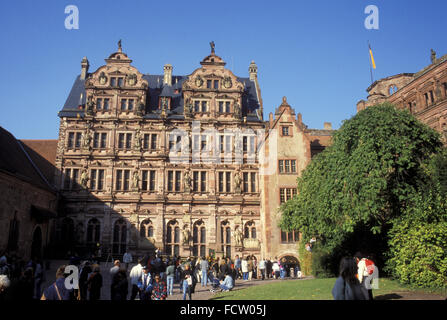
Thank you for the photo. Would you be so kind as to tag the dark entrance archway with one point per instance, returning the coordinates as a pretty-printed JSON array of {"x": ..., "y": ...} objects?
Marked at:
[
  {"x": 291, "y": 262},
  {"x": 36, "y": 246}
]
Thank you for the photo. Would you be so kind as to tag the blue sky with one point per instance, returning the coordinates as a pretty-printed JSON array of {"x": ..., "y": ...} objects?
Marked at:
[{"x": 313, "y": 52}]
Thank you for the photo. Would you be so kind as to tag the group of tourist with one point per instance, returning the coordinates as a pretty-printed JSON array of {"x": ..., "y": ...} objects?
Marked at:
[
  {"x": 152, "y": 278},
  {"x": 355, "y": 279}
]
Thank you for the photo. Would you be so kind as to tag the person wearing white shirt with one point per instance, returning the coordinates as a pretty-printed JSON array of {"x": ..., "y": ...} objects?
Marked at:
[
  {"x": 127, "y": 258},
  {"x": 135, "y": 276},
  {"x": 244, "y": 269}
]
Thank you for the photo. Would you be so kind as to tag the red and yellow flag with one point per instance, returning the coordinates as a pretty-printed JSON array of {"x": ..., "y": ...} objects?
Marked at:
[{"x": 372, "y": 57}]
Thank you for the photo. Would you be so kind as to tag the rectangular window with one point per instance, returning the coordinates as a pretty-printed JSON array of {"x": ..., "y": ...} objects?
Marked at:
[
  {"x": 204, "y": 109},
  {"x": 123, "y": 104},
  {"x": 120, "y": 82},
  {"x": 106, "y": 104},
  {"x": 113, "y": 81},
  {"x": 98, "y": 104},
  {"x": 286, "y": 194},
  {"x": 128, "y": 140},
  {"x": 170, "y": 180},
  {"x": 245, "y": 180},
  {"x": 203, "y": 181},
  {"x": 426, "y": 99},
  {"x": 244, "y": 144},
  {"x": 195, "y": 181},
  {"x": 228, "y": 147},
  {"x": 103, "y": 140},
  {"x": 152, "y": 180},
  {"x": 283, "y": 236},
  {"x": 195, "y": 144},
  {"x": 197, "y": 106},
  {"x": 252, "y": 144},
  {"x": 253, "y": 181},
  {"x": 78, "y": 139},
  {"x": 130, "y": 104},
  {"x": 227, "y": 106},
  {"x": 221, "y": 145},
  {"x": 146, "y": 138},
  {"x": 100, "y": 185},
  {"x": 178, "y": 177},
  {"x": 282, "y": 195},
  {"x": 203, "y": 143},
  {"x": 293, "y": 165},
  {"x": 285, "y": 130},
  {"x": 208, "y": 84},
  {"x": 221, "y": 182},
  {"x": 144, "y": 179},
  {"x": 281, "y": 166},
  {"x": 119, "y": 179},
  {"x": 287, "y": 166},
  {"x": 121, "y": 141},
  {"x": 153, "y": 141},
  {"x": 93, "y": 179},
  {"x": 221, "y": 107},
  {"x": 96, "y": 140},
  {"x": 228, "y": 181},
  {"x": 67, "y": 179},
  {"x": 75, "y": 179},
  {"x": 70, "y": 142},
  {"x": 216, "y": 84},
  {"x": 126, "y": 179}
]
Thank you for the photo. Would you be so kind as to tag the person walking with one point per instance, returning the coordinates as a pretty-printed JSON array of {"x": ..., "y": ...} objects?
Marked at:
[
  {"x": 250, "y": 267},
  {"x": 244, "y": 268},
  {"x": 86, "y": 269},
  {"x": 113, "y": 271},
  {"x": 127, "y": 259},
  {"x": 204, "y": 266},
  {"x": 135, "y": 276},
  {"x": 187, "y": 277},
  {"x": 268, "y": 267},
  {"x": 94, "y": 283},
  {"x": 120, "y": 285},
  {"x": 170, "y": 273},
  {"x": 237, "y": 267},
  {"x": 366, "y": 268},
  {"x": 262, "y": 266},
  {"x": 347, "y": 286},
  {"x": 275, "y": 269},
  {"x": 255, "y": 267}
]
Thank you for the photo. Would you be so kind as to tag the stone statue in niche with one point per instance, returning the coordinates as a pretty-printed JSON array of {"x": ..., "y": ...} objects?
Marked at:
[
  {"x": 137, "y": 141},
  {"x": 188, "y": 108},
  {"x": 102, "y": 78},
  {"x": 433, "y": 56},
  {"x": 213, "y": 46},
  {"x": 186, "y": 234},
  {"x": 187, "y": 181},
  {"x": 199, "y": 81},
  {"x": 135, "y": 180},
  {"x": 237, "y": 110},
  {"x": 90, "y": 106},
  {"x": 237, "y": 182},
  {"x": 238, "y": 237},
  {"x": 86, "y": 139},
  {"x": 84, "y": 178}
]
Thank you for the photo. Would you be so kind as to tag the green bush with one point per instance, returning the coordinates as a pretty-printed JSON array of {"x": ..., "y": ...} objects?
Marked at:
[
  {"x": 321, "y": 262},
  {"x": 419, "y": 254}
]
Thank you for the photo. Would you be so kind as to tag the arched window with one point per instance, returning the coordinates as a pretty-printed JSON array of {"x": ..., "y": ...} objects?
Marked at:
[
  {"x": 225, "y": 233},
  {"x": 93, "y": 231},
  {"x": 392, "y": 89},
  {"x": 119, "y": 237},
  {"x": 250, "y": 230},
  {"x": 172, "y": 238},
  {"x": 146, "y": 229},
  {"x": 199, "y": 239}
]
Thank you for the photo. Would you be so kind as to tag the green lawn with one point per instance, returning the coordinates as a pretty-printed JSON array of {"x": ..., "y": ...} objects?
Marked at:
[{"x": 312, "y": 289}]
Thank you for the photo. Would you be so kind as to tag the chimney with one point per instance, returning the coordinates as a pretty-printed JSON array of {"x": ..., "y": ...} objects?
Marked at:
[
  {"x": 167, "y": 78},
  {"x": 271, "y": 119},
  {"x": 327, "y": 126},
  {"x": 84, "y": 68},
  {"x": 300, "y": 118},
  {"x": 253, "y": 71}
]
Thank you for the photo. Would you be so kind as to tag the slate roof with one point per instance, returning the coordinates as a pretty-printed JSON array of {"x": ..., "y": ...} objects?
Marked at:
[
  {"x": 156, "y": 88},
  {"x": 17, "y": 162}
]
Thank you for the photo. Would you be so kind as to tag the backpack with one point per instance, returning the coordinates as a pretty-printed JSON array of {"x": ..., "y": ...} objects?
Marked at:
[{"x": 369, "y": 266}]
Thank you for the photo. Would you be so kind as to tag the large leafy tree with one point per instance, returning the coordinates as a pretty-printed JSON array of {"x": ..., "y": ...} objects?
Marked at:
[{"x": 365, "y": 179}]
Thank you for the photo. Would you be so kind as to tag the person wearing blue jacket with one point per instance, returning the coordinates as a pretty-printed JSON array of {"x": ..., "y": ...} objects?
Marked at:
[
  {"x": 227, "y": 284},
  {"x": 145, "y": 284}
]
